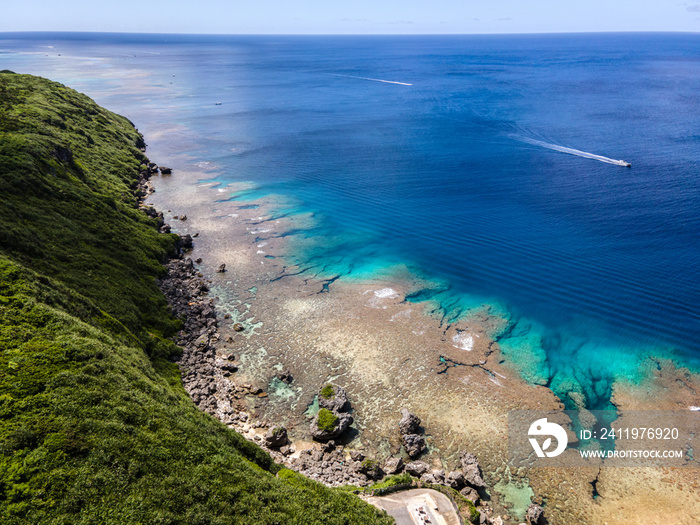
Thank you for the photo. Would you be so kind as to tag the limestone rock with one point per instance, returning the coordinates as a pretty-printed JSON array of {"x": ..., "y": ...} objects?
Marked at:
[
  {"x": 285, "y": 377},
  {"x": 413, "y": 444},
  {"x": 276, "y": 437},
  {"x": 356, "y": 455},
  {"x": 186, "y": 242},
  {"x": 535, "y": 515},
  {"x": 328, "y": 425},
  {"x": 471, "y": 470},
  {"x": 471, "y": 494},
  {"x": 438, "y": 475},
  {"x": 417, "y": 468},
  {"x": 428, "y": 478},
  {"x": 370, "y": 468},
  {"x": 333, "y": 398},
  {"x": 455, "y": 479},
  {"x": 393, "y": 466},
  {"x": 409, "y": 424}
]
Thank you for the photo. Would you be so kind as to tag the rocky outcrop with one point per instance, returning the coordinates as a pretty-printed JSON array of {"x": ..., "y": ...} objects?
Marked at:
[
  {"x": 285, "y": 376},
  {"x": 471, "y": 470},
  {"x": 409, "y": 424},
  {"x": 417, "y": 468},
  {"x": 187, "y": 294},
  {"x": 370, "y": 469},
  {"x": 535, "y": 515},
  {"x": 331, "y": 420},
  {"x": 471, "y": 494},
  {"x": 333, "y": 398},
  {"x": 455, "y": 479},
  {"x": 409, "y": 427},
  {"x": 328, "y": 425},
  {"x": 329, "y": 465},
  {"x": 414, "y": 445},
  {"x": 276, "y": 437},
  {"x": 393, "y": 466}
]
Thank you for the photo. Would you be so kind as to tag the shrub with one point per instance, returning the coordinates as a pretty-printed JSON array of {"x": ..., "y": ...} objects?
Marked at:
[
  {"x": 327, "y": 420},
  {"x": 328, "y": 392}
]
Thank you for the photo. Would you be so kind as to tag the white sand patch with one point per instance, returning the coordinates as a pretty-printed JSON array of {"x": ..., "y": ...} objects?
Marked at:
[
  {"x": 379, "y": 296},
  {"x": 405, "y": 314},
  {"x": 463, "y": 341},
  {"x": 386, "y": 293}
]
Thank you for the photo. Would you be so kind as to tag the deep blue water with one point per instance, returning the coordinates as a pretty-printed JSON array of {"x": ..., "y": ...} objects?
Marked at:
[{"x": 596, "y": 264}]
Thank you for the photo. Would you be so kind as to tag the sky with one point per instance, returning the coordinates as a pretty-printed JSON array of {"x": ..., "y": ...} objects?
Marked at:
[{"x": 351, "y": 17}]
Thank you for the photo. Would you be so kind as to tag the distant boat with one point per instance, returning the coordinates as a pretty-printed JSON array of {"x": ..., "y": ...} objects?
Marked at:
[
  {"x": 626, "y": 164},
  {"x": 218, "y": 103}
]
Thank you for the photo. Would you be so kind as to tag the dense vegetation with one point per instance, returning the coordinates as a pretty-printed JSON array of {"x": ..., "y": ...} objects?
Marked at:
[{"x": 95, "y": 426}]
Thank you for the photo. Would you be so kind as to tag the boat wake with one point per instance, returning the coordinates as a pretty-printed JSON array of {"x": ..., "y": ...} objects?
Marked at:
[
  {"x": 571, "y": 151},
  {"x": 376, "y": 80}
]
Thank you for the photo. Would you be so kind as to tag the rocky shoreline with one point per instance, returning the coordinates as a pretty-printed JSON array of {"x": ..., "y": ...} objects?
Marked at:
[{"x": 207, "y": 369}]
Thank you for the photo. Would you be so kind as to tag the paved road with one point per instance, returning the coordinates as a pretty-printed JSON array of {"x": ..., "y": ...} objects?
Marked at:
[{"x": 405, "y": 507}]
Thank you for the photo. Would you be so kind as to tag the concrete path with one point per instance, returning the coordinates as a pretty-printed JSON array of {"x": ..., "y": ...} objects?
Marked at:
[{"x": 418, "y": 507}]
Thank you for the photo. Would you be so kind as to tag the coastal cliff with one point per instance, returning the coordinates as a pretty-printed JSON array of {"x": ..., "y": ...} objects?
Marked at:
[{"x": 95, "y": 426}]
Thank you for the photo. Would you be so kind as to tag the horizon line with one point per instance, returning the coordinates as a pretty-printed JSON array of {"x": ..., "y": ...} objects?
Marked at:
[{"x": 513, "y": 33}]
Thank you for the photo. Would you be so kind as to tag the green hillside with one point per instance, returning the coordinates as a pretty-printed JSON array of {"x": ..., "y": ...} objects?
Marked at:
[{"x": 95, "y": 426}]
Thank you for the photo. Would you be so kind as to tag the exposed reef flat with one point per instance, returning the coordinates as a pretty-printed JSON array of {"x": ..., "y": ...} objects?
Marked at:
[{"x": 388, "y": 354}]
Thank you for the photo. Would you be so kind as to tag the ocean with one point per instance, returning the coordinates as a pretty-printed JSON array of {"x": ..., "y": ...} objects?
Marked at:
[{"x": 488, "y": 166}]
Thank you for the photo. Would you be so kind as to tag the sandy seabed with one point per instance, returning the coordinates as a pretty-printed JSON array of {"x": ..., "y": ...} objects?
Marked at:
[{"x": 389, "y": 354}]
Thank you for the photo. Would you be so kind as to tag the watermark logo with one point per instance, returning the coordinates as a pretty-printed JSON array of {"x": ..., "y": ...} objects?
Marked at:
[
  {"x": 542, "y": 427},
  {"x": 610, "y": 438}
]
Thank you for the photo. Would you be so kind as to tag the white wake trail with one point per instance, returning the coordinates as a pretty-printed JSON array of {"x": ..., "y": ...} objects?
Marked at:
[
  {"x": 377, "y": 80},
  {"x": 571, "y": 151}
]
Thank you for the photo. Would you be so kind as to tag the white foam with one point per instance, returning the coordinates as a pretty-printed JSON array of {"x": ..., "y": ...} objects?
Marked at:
[
  {"x": 694, "y": 409},
  {"x": 260, "y": 252},
  {"x": 205, "y": 165},
  {"x": 262, "y": 244},
  {"x": 570, "y": 151},
  {"x": 377, "y": 80},
  {"x": 463, "y": 341},
  {"x": 386, "y": 293}
]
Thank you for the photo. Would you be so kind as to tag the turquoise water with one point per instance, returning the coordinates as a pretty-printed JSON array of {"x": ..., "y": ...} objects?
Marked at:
[{"x": 450, "y": 158}]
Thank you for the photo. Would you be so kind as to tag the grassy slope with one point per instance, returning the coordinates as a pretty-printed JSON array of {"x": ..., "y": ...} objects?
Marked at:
[{"x": 94, "y": 424}]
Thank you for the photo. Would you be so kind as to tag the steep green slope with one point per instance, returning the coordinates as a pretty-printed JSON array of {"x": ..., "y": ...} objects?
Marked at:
[{"x": 95, "y": 426}]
